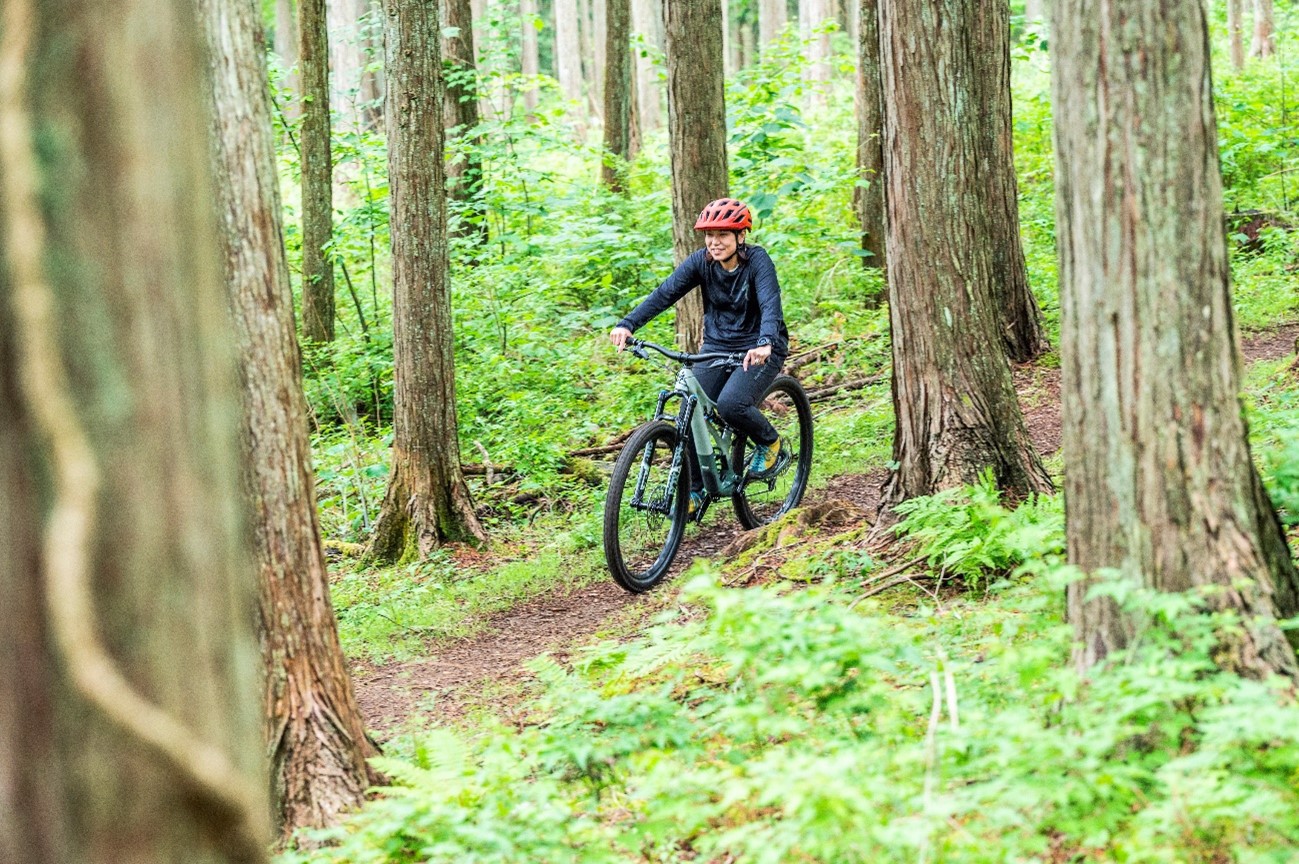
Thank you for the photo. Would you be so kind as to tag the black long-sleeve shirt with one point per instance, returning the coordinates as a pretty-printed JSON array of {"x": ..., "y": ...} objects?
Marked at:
[{"x": 740, "y": 306}]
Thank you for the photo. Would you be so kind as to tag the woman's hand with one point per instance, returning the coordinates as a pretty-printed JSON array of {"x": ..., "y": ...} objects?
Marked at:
[
  {"x": 757, "y": 356},
  {"x": 619, "y": 336}
]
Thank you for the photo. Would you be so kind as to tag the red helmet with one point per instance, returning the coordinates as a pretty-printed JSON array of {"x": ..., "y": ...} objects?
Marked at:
[{"x": 724, "y": 214}]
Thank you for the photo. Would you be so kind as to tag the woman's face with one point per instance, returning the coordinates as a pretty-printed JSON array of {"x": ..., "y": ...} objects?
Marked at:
[{"x": 721, "y": 245}]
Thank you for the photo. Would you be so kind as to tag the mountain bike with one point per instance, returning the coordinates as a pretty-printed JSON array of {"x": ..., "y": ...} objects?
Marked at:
[{"x": 647, "y": 507}]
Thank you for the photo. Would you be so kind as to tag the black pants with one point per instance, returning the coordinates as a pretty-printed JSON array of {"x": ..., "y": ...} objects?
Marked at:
[{"x": 736, "y": 392}]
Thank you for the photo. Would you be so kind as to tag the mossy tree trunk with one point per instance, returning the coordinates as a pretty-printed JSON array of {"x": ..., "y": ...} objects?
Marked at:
[
  {"x": 317, "y": 174},
  {"x": 868, "y": 200},
  {"x": 617, "y": 93},
  {"x": 956, "y": 410},
  {"x": 697, "y": 136},
  {"x": 129, "y": 684},
  {"x": 464, "y": 174},
  {"x": 1159, "y": 484},
  {"x": 427, "y": 501},
  {"x": 316, "y": 738}
]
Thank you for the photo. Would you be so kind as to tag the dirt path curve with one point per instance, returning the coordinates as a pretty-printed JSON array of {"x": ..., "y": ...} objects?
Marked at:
[{"x": 447, "y": 683}]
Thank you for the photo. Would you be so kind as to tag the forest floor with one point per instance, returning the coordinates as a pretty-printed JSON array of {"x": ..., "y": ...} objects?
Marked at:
[{"x": 488, "y": 671}]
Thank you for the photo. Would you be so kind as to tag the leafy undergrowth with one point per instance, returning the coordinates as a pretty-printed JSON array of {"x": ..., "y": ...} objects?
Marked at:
[
  {"x": 779, "y": 723},
  {"x": 387, "y": 613}
]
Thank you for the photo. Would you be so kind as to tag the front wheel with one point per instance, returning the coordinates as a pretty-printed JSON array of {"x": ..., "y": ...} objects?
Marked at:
[
  {"x": 645, "y": 511},
  {"x": 761, "y": 502}
]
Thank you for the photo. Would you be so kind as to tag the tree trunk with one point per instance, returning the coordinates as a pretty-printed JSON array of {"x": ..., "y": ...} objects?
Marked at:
[
  {"x": 988, "y": 60},
  {"x": 772, "y": 15},
  {"x": 427, "y": 500},
  {"x": 697, "y": 133},
  {"x": 648, "y": 18},
  {"x": 728, "y": 39},
  {"x": 286, "y": 46},
  {"x": 129, "y": 715},
  {"x": 568, "y": 57},
  {"x": 747, "y": 40},
  {"x": 617, "y": 93},
  {"x": 586, "y": 52},
  {"x": 954, "y": 401},
  {"x": 465, "y": 172},
  {"x": 599, "y": 38},
  {"x": 530, "y": 61},
  {"x": 1160, "y": 485},
  {"x": 813, "y": 15},
  {"x": 1264, "y": 44},
  {"x": 314, "y": 730},
  {"x": 317, "y": 174},
  {"x": 346, "y": 60},
  {"x": 372, "y": 51},
  {"x": 869, "y": 200},
  {"x": 1236, "y": 32}
]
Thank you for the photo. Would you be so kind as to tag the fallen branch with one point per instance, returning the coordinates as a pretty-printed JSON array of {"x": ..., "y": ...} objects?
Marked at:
[
  {"x": 801, "y": 359},
  {"x": 857, "y": 384}
]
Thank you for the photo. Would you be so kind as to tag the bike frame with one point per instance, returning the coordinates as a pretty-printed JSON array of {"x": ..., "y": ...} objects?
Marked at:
[{"x": 707, "y": 432}]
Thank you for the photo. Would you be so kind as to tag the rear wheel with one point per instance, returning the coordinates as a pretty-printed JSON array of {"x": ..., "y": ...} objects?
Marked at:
[
  {"x": 645, "y": 513},
  {"x": 761, "y": 502}
]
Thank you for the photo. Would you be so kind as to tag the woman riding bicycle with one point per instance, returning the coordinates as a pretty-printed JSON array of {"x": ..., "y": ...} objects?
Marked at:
[{"x": 742, "y": 312}]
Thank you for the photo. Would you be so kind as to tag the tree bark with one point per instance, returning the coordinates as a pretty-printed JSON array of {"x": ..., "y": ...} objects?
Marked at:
[
  {"x": 129, "y": 717},
  {"x": 317, "y": 174},
  {"x": 648, "y": 19},
  {"x": 1159, "y": 483},
  {"x": 599, "y": 39},
  {"x": 868, "y": 200},
  {"x": 988, "y": 60},
  {"x": 465, "y": 172},
  {"x": 314, "y": 730},
  {"x": 530, "y": 59},
  {"x": 955, "y": 404},
  {"x": 1236, "y": 32},
  {"x": 427, "y": 501},
  {"x": 813, "y": 14},
  {"x": 617, "y": 93},
  {"x": 772, "y": 16},
  {"x": 568, "y": 57},
  {"x": 1264, "y": 43},
  {"x": 697, "y": 133}
]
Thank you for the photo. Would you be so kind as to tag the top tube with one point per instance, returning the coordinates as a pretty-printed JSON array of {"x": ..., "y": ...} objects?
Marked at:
[{"x": 638, "y": 347}]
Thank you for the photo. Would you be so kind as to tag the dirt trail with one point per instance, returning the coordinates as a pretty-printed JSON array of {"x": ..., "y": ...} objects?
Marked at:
[{"x": 447, "y": 683}]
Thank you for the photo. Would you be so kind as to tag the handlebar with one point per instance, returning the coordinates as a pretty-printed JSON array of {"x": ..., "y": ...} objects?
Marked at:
[{"x": 638, "y": 347}]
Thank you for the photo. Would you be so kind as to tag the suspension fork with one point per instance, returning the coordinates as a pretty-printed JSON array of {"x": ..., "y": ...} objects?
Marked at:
[{"x": 684, "y": 414}]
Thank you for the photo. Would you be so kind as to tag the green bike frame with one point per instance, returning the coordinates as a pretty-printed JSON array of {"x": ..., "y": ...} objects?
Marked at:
[{"x": 708, "y": 433}]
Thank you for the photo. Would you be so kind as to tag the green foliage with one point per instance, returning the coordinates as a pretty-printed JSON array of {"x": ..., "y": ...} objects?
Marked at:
[
  {"x": 968, "y": 533},
  {"x": 769, "y": 724},
  {"x": 777, "y": 725},
  {"x": 398, "y": 611}
]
